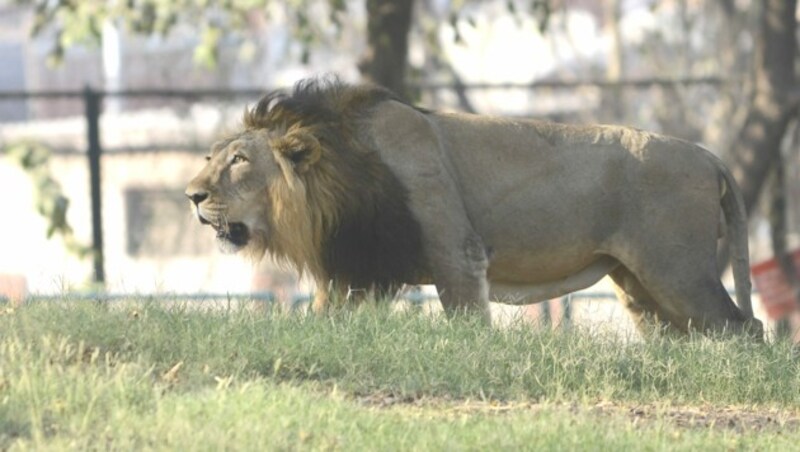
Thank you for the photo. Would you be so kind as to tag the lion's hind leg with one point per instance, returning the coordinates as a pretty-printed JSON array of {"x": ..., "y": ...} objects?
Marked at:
[
  {"x": 645, "y": 312},
  {"x": 695, "y": 300}
]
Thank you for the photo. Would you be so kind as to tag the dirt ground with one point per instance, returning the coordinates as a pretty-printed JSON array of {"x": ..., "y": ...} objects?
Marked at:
[
  {"x": 734, "y": 418},
  {"x": 739, "y": 419}
]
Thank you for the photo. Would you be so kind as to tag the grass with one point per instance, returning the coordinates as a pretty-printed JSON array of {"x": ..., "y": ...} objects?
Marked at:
[{"x": 137, "y": 375}]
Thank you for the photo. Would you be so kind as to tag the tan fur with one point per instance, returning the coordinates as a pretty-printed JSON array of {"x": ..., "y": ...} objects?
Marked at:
[
  {"x": 481, "y": 206},
  {"x": 309, "y": 186}
]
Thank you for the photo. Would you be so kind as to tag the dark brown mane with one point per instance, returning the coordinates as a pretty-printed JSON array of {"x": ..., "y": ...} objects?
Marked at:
[
  {"x": 363, "y": 231},
  {"x": 313, "y": 101}
]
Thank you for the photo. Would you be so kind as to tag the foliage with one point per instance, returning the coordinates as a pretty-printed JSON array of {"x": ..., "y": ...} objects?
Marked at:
[
  {"x": 49, "y": 199},
  {"x": 540, "y": 10},
  {"x": 81, "y": 22}
]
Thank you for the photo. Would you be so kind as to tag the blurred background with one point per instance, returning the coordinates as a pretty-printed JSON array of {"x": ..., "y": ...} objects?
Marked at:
[{"x": 107, "y": 108}]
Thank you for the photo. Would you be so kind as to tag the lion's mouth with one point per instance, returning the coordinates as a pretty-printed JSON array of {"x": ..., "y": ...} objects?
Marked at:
[{"x": 236, "y": 233}]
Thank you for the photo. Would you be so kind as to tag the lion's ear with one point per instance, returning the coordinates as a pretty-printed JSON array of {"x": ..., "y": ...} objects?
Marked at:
[
  {"x": 300, "y": 149},
  {"x": 303, "y": 158}
]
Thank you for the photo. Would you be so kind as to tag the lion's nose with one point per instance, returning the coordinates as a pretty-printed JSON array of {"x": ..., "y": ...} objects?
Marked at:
[{"x": 197, "y": 196}]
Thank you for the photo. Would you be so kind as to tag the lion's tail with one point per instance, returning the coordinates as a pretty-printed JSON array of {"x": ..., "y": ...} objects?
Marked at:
[{"x": 736, "y": 219}]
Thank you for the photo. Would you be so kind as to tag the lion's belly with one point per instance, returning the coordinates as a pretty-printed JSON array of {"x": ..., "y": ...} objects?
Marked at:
[
  {"x": 533, "y": 249},
  {"x": 518, "y": 292},
  {"x": 519, "y": 267}
]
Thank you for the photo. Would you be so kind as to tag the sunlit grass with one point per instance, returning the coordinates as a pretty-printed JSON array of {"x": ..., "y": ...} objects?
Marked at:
[{"x": 138, "y": 375}]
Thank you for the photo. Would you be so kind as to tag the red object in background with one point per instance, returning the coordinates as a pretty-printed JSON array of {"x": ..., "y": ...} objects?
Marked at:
[
  {"x": 13, "y": 287},
  {"x": 777, "y": 295}
]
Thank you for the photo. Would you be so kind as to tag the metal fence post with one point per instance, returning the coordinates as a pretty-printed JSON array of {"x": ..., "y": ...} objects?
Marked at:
[
  {"x": 545, "y": 307},
  {"x": 92, "y": 99}
]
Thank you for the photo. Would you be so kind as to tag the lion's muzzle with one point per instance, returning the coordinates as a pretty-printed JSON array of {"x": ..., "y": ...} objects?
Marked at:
[
  {"x": 197, "y": 197},
  {"x": 232, "y": 236}
]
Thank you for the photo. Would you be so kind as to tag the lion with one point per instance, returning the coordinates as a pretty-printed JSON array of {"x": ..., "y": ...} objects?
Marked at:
[{"x": 366, "y": 192}]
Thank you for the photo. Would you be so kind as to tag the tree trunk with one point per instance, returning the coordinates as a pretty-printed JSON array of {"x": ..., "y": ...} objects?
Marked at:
[
  {"x": 384, "y": 61},
  {"x": 615, "y": 97},
  {"x": 778, "y": 227},
  {"x": 758, "y": 143}
]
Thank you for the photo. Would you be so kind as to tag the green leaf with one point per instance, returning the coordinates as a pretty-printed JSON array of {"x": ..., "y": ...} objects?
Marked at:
[
  {"x": 49, "y": 200},
  {"x": 207, "y": 51}
]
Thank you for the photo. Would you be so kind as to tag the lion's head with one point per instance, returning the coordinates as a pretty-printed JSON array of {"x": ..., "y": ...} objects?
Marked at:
[
  {"x": 300, "y": 182},
  {"x": 243, "y": 188}
]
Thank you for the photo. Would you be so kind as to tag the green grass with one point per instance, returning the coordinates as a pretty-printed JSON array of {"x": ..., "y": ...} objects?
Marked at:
[{"x": 138, "y": 376}]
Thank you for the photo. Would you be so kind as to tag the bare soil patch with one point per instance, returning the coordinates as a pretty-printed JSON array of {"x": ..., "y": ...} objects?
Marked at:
[
  {"x": 733, "y": 418},
  {"x": 736, "y": 418}
]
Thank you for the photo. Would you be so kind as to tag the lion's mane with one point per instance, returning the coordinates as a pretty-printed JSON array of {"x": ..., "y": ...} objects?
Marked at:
[{"x": 347, "y": 218}]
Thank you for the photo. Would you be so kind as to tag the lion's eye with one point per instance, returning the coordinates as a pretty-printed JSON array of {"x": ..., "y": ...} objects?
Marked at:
[
  {"x": 238, "y": 159},
  {"x": 208, "y": 158}
]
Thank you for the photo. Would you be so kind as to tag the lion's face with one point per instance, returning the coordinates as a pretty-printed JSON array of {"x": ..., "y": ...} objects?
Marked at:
[
  {"x": 231, "y": 192},
  {"x": 243, "y": 177}
]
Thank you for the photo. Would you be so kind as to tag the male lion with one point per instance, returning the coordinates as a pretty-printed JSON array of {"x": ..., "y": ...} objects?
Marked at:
[{"x": 364, "y": 191}]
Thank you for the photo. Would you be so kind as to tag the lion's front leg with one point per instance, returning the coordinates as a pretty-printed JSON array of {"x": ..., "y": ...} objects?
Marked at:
[
  {"x": 320, "y": 303},
  {"x": 328, "y": 294},
  {"x": 456, "y": 255},
  {"x": 459, "y": 272}
]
